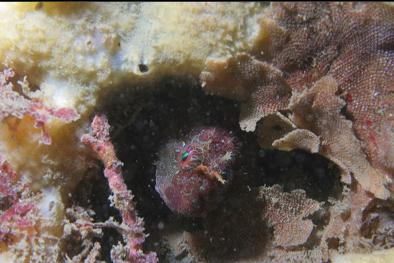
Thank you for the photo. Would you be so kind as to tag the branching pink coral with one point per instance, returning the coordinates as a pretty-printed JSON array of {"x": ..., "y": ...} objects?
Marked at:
[
  {"x": 133, "y": 230},
  {"x": 18, "y": 105}
]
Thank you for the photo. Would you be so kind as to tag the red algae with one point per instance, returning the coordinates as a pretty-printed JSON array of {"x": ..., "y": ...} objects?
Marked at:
[{"x": 99, "y": 141}]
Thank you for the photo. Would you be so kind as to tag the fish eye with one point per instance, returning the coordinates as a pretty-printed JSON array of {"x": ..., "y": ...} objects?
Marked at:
[{"x": 185, "y": 155}]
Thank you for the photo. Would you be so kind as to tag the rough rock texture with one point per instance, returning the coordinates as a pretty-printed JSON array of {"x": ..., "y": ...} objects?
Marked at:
[
  {"x": 73, "y": 54},
  {"x": 109, "y": 43},
  {"x": 374, "y": 257},
  {"x": 311, "y": 76},
  {"x": 327, "y": 68},
  {"x": 345, "y": 46}
]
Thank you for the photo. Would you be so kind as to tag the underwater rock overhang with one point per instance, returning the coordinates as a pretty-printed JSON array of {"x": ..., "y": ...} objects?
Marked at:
[{"x": 326, "y": 68}]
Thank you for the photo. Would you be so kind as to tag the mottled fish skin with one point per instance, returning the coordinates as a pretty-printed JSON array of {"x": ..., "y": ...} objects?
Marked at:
[{"x": 190, "y": 174}]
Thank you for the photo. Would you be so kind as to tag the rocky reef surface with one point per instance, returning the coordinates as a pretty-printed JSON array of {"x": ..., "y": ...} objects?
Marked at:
[{"x": 196, "y": 132}]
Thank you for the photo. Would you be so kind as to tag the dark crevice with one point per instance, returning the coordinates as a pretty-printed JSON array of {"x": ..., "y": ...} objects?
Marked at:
[{"x": 143, "y": 120}]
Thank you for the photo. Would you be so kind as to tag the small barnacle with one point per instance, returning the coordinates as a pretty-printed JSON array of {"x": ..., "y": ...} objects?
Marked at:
[{"x": 190, "y": 173}]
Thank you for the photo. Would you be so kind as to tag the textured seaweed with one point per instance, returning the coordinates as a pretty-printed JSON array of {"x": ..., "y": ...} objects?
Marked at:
[{"x": 303, "y": 43}]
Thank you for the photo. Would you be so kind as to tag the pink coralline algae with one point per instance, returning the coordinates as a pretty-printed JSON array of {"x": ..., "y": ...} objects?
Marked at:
[
  {"x": 15, "y": 103},
  {"x": 17, "y": 213},
  {"x": 191, "y": 173},
  {"x": 132, "y": 226}
]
